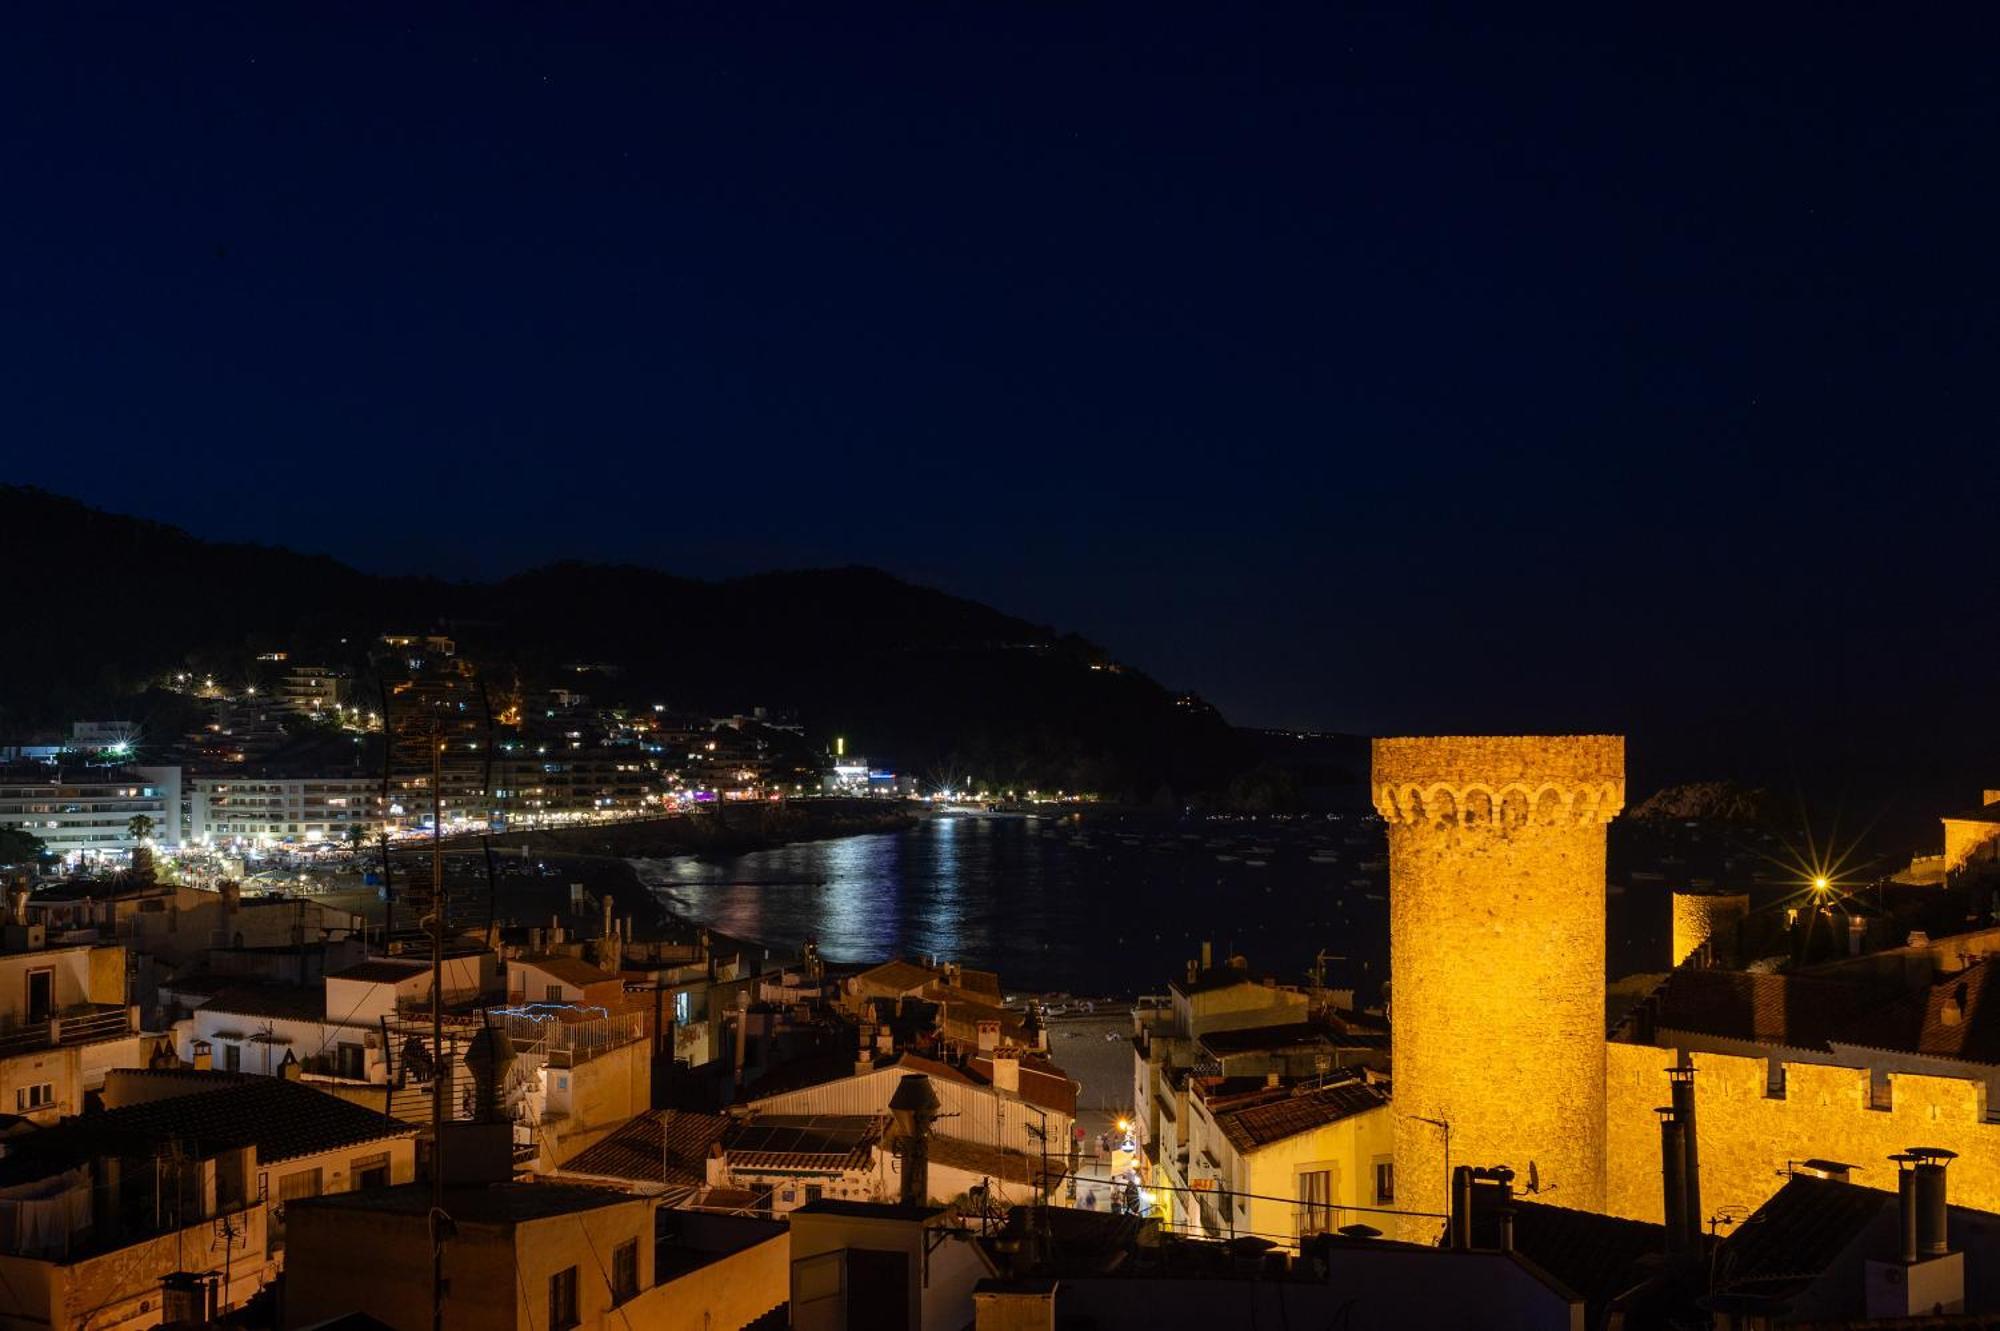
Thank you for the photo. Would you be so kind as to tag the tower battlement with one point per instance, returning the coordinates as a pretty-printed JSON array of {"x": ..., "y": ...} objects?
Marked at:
[{"x": 1509, "y": 779}]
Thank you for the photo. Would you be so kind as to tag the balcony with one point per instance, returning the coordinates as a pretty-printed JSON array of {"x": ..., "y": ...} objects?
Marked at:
[{"x": 85, "y": 1023}]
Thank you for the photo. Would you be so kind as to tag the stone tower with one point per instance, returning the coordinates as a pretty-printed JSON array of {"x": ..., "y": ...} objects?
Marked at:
[{"x": 1496, "y": 958}]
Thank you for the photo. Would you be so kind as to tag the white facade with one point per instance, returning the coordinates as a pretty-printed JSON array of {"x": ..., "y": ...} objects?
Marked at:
[
  {"x": 88, "y": 811},
  {"x": 267, "y": 810}
]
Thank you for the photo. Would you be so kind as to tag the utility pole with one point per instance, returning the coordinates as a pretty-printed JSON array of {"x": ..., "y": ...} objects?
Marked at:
[{"x": 436, "y": 923}]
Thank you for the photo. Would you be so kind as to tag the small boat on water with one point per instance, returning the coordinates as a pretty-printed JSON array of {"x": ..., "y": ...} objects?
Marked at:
[{"x": 1226, "y": 859}]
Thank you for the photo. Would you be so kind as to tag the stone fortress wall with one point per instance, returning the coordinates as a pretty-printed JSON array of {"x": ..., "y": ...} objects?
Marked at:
[
  {"x": 1700, "y": 916},
  {"x": 1497, "y": 922},
  {"x": 1747, "y": 1136}
]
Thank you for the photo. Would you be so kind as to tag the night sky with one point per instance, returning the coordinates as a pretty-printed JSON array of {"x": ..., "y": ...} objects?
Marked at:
[{"x": 1360, "y": 371}]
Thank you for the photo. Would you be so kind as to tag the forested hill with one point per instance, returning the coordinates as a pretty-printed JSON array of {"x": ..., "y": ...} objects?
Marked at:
[{"x": 930, "y": 682}]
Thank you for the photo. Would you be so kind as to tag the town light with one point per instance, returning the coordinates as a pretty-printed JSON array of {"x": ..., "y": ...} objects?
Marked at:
[{"x": 1822, "y": 884}]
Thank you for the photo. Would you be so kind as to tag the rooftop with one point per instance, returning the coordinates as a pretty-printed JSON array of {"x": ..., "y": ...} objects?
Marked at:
[
  {"x": 869, "y": 1210},
  {"x": 1256, "y": 1119},
  {"x": 1597, "y": 1256},
  {"x": 492, "y": 1204},
  {"x": 1789, "y": 1241},
  {"x": 805, "y": 1141},
  {"x": 247, "y": 998},
  {"x": 1957, "y": 1018},
  {"x": 1797, "y": 1011},
  {"x": 1215, "y": 977},
  {"x": 283, "y": 1119},
  {"x": 570, "y": 970},
  {"x": 634, "y": 1151},
  {"x": 1988, "y": 813},
  {"x": 897, "y": 976},
  {"x": 1291, "y": 1035},
  {"x": 381, "y": 970}
]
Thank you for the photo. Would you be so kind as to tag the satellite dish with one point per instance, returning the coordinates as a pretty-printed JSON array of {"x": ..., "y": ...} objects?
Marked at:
[{"x": 1534, "y": 1178}]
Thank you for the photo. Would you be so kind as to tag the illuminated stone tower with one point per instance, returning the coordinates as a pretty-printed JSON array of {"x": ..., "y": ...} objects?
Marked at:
[{"x": 1496, "y": 956}]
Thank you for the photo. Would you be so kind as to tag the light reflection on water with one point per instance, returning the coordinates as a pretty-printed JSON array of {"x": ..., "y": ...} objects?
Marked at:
[{"x": 1021, "y": 897}]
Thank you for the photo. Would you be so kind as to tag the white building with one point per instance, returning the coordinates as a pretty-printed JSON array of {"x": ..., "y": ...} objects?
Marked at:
[
  {"x": 233, "y": 809},
  {"x": 85, "y": 812}
]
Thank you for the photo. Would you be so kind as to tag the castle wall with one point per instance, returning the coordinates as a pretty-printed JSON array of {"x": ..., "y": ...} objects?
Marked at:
[
  {"x": 1746, "y": 1136},
  {"x": 1496, "y": 910},
  {"x": 1700, "y": 916}
]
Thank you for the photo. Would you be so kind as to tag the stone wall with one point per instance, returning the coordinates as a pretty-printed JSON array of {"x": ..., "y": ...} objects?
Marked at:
[
  {"x": 1747, "y": 1136},
  {"x": 1496, "y": 914},
  {"x": 1700, "y": 916}
]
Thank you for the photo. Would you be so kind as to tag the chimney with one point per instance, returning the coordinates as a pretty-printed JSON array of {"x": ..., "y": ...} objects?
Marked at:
[
  {"x": 1673, "y": 1179},
  {"x": 864, "y": 1048},
  {"x": 1007, "y": 1071},
  {"x": 1930, "y": 1199},
  {"x": 1906, "y": 1205},
  {"x": 1682, "y": 1077},
  {"x": 912, "y": 1109},
  {"x": 742, "y": 1030},
  {"x": 1461, "y": 1209},
  {"x": 1271, "y": 1080},
  {"x": 1207, "y": 956},
  {"x": 1926, "y": 1278},
  {"x": 885, "y": 1039},
  {"x": 17, "y": 905},
  {"x": 609, "y": 926},
  {"x": 989, "y": 1036},
  {"x": 204, "y": 1056},
  {"x": 1857, "y": 934}
]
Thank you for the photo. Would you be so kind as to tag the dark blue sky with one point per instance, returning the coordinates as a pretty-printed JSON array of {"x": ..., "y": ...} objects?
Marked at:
[{"x": 1359, "y": 370}]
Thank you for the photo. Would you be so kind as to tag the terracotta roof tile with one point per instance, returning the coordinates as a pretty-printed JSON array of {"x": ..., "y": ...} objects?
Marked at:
[
  {"x": 633, "y": 1152},
  {"x": 1957, "y": 1018},
  {"x": 1258, "y": 1118},
  {"x": 1798, "y": 1011},
  {"x": 831, "y": 1142}
]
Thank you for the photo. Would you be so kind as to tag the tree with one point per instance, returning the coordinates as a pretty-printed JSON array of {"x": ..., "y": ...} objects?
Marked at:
[
  {"x": 20, "y": 846},
  {"x": 140, "y": 826}
]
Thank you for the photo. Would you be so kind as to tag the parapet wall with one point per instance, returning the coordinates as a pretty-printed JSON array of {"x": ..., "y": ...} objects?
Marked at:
[{"x": 1747, "y": 1135}]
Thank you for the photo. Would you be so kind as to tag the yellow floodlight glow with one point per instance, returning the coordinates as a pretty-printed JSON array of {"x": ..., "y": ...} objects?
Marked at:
[{"x": 1822, "y": 884}]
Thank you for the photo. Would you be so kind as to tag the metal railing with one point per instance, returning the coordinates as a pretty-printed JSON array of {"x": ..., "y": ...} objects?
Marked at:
[{"x": 84, "y": 1023}]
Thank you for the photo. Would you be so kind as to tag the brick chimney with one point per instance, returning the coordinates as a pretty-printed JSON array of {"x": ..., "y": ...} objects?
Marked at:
[{"x": 1007, "y": 1070}]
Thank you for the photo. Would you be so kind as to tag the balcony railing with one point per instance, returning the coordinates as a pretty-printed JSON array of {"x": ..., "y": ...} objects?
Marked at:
[{"x": 86, "y": 1023}]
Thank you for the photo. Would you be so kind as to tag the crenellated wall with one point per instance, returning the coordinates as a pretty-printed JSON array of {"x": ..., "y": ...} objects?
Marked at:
[
  {"x": 1496, "y": 920},
  {"x": 1746, "y": 1135}
]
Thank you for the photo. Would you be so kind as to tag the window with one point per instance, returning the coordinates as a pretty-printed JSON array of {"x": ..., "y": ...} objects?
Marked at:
[
  {"x": 41, "y": 994},
  {"x": 303, "y": 1183},
  {"x": 681, "y": 1007},
  {"x": 552, "y": 993},
  {"x": 625, "y": 1271},
  {"x": 232, "y": 1058},
  {"x": 1315, "y": 1201},
  {"x": 1385, "y": 1182},
  {"x": 39, "y": 1096},
  {"x": 351, "y": 1061},
  {"x": 562, "y": 1299},
  {"x": 371, "y": 1171}
]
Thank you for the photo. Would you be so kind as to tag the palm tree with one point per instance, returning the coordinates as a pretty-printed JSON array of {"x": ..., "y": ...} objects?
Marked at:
[{"x": 140, "y": 826}]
